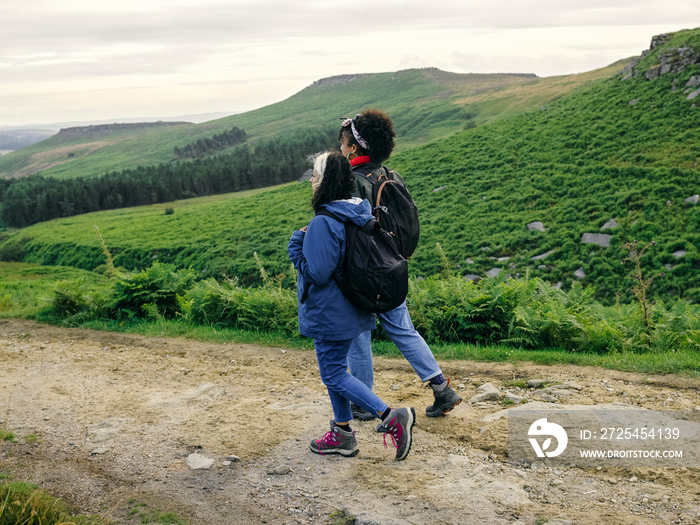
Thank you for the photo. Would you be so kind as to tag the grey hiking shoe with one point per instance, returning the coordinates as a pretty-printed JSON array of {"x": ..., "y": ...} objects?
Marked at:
[
  {"x": 337, "y": 441},
  {"x": 399, "y": 425},
  {"x": 360, "y": 413},
  {"x": 445, "y": 400}
]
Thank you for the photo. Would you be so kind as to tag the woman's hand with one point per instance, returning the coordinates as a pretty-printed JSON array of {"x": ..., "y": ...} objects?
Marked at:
[{"x": 303, "y": 229}]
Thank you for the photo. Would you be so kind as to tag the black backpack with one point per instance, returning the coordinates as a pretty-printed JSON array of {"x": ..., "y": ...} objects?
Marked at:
[
  {"x": 375, "y": 274},
  {"x": 394, "y": 208}
]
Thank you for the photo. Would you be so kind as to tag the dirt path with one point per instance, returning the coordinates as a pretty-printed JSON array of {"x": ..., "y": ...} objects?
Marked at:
[{"x": 117, "y": 417}]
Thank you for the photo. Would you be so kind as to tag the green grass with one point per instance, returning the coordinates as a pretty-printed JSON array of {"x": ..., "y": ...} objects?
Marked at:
[
  {"x": 214, "y": 235},
  {"x": 6, "y": 435},
  {"x": 27, "y": 288},
  {"x": 24, "y": 503},
  {"x": 683, "y": 363}
]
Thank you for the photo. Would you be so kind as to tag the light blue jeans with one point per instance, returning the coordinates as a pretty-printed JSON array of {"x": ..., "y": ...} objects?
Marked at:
[
  {"x": 399, "y": 327},
  {"x": 342, "y": 387}
]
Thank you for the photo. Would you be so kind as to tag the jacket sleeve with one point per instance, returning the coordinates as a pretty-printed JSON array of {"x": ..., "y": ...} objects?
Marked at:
[
  {"x": 320, "y": 250},
  {"x": 294, "y": 247}
]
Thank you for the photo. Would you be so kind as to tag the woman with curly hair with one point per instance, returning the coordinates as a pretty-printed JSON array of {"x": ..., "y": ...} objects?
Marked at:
[
  {"x": 317, "y": 252},
  {"x": 367, "y": 141}
]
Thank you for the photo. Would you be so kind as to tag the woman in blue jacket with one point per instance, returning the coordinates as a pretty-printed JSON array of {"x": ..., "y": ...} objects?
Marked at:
[{"x": 317, "y": 252}]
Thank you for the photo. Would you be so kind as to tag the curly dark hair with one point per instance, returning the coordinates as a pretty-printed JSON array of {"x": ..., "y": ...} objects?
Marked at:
[
  {"x": 337, "y": 180},
  {"x": 377, "y": 130}
]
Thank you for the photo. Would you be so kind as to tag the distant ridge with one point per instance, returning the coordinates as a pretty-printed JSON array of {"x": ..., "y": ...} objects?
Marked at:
[
  {"x": 429, "y": 72},
  {"x": 102, "y": 130}
]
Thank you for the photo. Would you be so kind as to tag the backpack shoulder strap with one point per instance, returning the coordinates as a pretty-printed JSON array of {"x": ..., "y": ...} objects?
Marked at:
[{"x": 324, "y": 211}]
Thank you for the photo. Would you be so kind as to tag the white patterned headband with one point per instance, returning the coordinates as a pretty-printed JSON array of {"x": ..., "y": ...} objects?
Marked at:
[{"x": 351, "y": 122}]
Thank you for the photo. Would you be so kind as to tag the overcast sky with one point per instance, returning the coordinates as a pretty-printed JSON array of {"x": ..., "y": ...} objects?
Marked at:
[{"x": 80, "y": 60}]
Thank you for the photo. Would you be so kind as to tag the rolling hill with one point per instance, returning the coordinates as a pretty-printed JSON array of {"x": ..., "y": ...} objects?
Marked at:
[
  {"x": 555, "y": 192},
  {"x": 426, "y": 104}
]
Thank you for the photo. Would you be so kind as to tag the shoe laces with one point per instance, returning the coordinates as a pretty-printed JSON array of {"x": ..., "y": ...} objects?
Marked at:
[
  {"x": 392, "y": 430},
  {"x": 329, "y": 438}
]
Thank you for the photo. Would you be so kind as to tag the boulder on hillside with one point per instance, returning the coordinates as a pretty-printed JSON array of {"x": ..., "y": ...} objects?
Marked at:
[
  {"x": 610, "y": 225},
  {"x": 580, "y": 274},
  {"x": 694, "y": 199},
  {"x": 537, "y": 225},
  {"x": 493, "y": 272},
  {"x": 542, "y": 255},
  {"x": 601, "y": 239}
]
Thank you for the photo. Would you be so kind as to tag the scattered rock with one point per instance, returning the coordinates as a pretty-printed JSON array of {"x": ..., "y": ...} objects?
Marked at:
[
  {"x": 199, "y": 462},
  {"x": 542, "y": 255},
  {"x": 486, "y": 392},
  {"x": 694, "y": 94},
  {"x": 105, "y": 430},
  {"x": 99, "y": 451},
  {"x": 601, "y": 239},
  {"x": 472, "y": 277},
  {"x": 537, "y": 225},
  {"x": 514, "y": 397},
  {"x": 610, "y": 225},
  {"x": 281, "y": 470},
  {"x": 679, "y": 253},
  {"x": 469, "y": 261},
  {"x": 364, "y": 519},
  {"x": 572, "y": 385},
  {"x": 439, "y": 188},
  {"x": 560, "y": 393},
  {"x": 535, "y": 383},
  {"x": 493, "y": 272},
  {"x": 549, "y": 398},
  {"x": 580, "y": 274},
  {"x": 634, "y": 101},
  {"x": 232, "y": 458},
  {"x": 694, "y": 199}
]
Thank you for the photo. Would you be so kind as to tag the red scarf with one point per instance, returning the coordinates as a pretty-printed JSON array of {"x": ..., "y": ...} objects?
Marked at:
[{"x": 359, "y": 160}]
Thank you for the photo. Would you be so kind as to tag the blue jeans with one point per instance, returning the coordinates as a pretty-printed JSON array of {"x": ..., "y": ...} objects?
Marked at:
[
  {"x": 342, "y": 387},
  {"x": 398, "y": 326}
]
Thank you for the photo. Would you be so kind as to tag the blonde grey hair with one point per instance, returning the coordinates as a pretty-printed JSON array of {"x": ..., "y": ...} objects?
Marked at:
[{"x": 320, "y": 168}]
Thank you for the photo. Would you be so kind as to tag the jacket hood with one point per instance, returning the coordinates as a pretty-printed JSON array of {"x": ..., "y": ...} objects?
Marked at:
[{"x": 354, "y": 209}]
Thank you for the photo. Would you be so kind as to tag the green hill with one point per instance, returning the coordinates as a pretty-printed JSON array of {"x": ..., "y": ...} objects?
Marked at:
[
  {"x": 426, "y": 104},
  {"x": 623, "y": 148}
]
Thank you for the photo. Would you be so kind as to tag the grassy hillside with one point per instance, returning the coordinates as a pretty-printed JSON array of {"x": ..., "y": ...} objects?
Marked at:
[
  {"x": 624, "y": 148},
  {"x": 426, "y": 104}
]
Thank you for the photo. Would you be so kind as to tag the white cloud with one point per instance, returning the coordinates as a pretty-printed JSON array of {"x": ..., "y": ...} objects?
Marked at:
[{"x": 141, "y": 54}]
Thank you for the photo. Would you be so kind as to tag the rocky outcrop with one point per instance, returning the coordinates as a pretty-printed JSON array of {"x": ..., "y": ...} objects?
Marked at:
[{"x": 671, "y": 60}]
